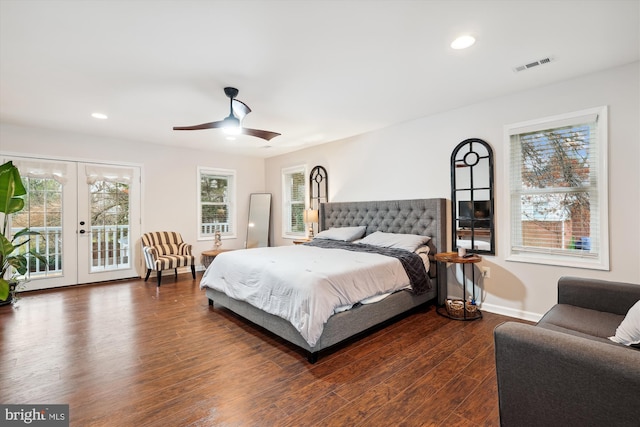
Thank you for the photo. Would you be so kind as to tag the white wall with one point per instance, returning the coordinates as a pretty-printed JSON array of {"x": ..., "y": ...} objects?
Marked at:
[
  {"x": 411, "y": 160},
  {"x": 169, "y": 175}
]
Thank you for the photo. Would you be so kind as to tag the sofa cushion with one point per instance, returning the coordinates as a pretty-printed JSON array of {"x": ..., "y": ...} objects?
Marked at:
[
  {"x": 557, "y": 328},
  {"x": 628, "y": 333},
  {"x": 612, "y": 297},
  {"x": 582, "y": 320}
]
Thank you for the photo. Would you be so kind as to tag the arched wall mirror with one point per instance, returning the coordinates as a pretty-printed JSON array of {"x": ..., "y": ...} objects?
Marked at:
[
  {"x": 318, "y": 187},
  {"x": 472, "y": 197},
  {"x": 318, "y": 193},
  {"x": 258, "y": 227}
]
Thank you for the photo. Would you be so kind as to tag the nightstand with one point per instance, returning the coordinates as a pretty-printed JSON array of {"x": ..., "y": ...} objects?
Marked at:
[
  {"x": 461, "y": 309},
  {"x": 301, "y": 241},
  {"x": 208, "y": 256}
]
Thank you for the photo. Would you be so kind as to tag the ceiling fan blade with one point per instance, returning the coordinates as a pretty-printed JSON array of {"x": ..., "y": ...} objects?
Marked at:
[
  {"x": 240, "y": 109},
  {"x": 211, "y": 125},
  {"x": 233, "y": 122},
  {"x": 264, "y": 134}
]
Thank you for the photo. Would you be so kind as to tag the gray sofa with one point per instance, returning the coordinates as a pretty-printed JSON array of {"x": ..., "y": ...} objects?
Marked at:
[{"x": 564, "y": 371}]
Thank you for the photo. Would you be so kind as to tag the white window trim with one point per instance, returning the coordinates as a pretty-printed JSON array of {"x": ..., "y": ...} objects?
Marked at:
[
  {"x": 285, "y": 201},
  {"x": 601, "y": 262},
  {"x": 233, "y": 215}
]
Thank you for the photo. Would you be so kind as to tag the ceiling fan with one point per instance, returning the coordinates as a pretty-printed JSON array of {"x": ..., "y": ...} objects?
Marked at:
[{"x": 232, "y": 124}]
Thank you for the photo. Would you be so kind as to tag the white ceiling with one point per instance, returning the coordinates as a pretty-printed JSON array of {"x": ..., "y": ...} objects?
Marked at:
[{"x": 315, "y": 71}]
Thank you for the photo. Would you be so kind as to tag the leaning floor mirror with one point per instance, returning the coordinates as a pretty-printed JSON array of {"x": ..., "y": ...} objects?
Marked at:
[{"x": 258, "y": 228}]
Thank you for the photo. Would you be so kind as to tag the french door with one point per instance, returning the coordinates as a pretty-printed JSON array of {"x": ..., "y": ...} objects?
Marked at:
[{"x": 88, "y": 217}]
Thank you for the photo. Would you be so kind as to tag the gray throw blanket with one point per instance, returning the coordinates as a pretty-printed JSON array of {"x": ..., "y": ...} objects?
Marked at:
[{"x": 412, "y": 263}]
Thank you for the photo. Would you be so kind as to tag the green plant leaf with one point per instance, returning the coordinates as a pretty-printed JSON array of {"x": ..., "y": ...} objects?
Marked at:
[
  {"x": 14, "y": 258},
  {"x": 11, "y": 189},
  {"x": 19, "y": 262},
  {"x": 6, "y": 247},
  {"x": 26, "y": 232},
  {"x": 23, "y": 232},
  {"x": 4, "y": 289},
  {"x": 42, "y": 258}
]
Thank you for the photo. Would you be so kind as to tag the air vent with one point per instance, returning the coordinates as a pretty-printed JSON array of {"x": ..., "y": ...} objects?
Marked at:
[{"x": 532, "y": 64}]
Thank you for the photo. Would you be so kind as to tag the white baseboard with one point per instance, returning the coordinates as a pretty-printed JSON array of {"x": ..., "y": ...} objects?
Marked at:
[{"x": 511, "y": 312}]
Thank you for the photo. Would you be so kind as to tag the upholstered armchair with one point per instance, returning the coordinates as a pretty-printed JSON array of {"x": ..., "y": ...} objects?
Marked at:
[
  {"x": 565, "y": 371},
  {"x": 164, "y": 250}
]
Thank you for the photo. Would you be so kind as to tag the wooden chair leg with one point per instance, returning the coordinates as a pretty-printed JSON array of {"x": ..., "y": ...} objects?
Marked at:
[
  {"x": 193, "y": 271},
  {"x": 159, "y": 274},
  {"x": 148, "y": 273}
]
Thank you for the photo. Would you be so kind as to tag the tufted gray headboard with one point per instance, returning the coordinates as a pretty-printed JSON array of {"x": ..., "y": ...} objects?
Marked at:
[{"x": 420, "y": 216}]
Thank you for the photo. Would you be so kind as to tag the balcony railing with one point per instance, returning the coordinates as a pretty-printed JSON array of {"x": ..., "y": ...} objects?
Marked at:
[
  {"x": 211, "y": 227},
  {"x": 109, "y": 249}
]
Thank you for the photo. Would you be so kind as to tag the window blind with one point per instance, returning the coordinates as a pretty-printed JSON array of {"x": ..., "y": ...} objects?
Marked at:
[
  {"x": 554, "y": 188},
  {"x": 42, "y": 169},
  {"x": 294, "y": 190}
]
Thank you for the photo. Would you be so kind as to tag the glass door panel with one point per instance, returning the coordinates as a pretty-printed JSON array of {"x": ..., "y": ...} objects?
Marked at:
[
  {"x": 109, "y": 225},
  {"x": 83, "y": 213},
  {"x": 108, "y": 197},
  {"x": 51, "y": 189}
]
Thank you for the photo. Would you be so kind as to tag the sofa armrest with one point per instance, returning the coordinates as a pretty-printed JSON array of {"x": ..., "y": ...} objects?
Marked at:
[
  {"x": 150, "y": 256},
  {"x": 184, "y": 249},
  {"x": 601, "y": 295},
  {"x": 547, "y": 377}
]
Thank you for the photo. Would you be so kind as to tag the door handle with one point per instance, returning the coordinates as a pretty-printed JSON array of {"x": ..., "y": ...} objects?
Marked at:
[{"x": 82, "y": 231}]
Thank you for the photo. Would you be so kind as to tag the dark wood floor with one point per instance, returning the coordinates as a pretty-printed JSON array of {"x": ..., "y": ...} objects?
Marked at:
[{"x": 129, "y": 354}]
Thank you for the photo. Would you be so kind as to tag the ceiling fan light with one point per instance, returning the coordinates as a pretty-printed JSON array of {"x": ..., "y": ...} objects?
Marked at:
[
  {"x": 231, "y": 126},
  {"x": 231, "y": 130}
]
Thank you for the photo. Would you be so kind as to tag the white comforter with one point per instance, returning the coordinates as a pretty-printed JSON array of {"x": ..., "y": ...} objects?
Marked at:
[{"x": 303, "y": 284}]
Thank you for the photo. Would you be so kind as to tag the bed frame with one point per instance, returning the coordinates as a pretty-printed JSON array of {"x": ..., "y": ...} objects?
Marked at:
[{"x": 421, "y": 216}]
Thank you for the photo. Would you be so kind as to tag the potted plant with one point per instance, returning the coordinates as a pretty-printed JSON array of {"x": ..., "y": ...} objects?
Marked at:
[{"x": 14, "y": 253}]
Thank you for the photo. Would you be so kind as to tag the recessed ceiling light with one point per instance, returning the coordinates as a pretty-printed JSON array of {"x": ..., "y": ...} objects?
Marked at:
[
  {"x": 463, "y": 42},
  {"x": 99, "y": 116}
]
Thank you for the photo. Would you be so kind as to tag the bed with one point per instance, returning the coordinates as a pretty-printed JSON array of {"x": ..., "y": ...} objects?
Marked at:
[{"x": 411, "y": 218}]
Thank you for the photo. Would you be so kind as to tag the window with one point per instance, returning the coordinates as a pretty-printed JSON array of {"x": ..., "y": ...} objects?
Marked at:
[
  {"x": 216, "y": 205},
  {"x": 43, "y": 214},
  {"x": 109, "y": 206},
  {"x": 294, "y": 193},
  {"x": 557, "y": 190}
]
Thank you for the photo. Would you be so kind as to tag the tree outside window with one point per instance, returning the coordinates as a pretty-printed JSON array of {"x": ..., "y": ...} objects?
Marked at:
[
  {"x": 558, "y": 190},
  {"x": 554, "y": 200},
  {"x": 42, "y": 213}
]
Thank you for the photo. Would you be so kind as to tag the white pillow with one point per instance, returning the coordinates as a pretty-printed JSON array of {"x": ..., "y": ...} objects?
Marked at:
[
  {"x": 345, "y": 234},
  {"x": 408, "y": 242},
  {"x": 628, "y": 333}
]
